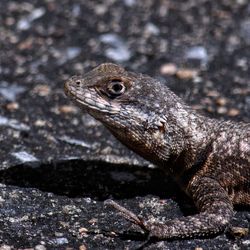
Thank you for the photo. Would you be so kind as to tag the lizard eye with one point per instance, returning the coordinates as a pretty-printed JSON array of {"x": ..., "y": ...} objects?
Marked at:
[{"x": 116, "y": 87}]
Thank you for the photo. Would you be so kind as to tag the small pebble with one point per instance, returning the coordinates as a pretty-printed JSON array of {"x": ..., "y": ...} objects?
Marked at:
[
  {"x": 83, "y": 230},
  {"x": 118, "y": 49},
  {"x": 210, "y": 109},
  {"x": 72, "y": 52},
  {"x": 58, "y": 234},
  {"x": 197, "y": 107},
  {"x": 82, "y": 247},
  {"x": 233, "y": 112},
  {"x": 213, "y": 93},
  {"x": 42, "y": 90},
  {"x": 113, "y": 233},
  {"x": 168, "y": 69},
  {"x": 238, "y": 232},
  {"x": 100, "y": 9},
  {"x": 151, "y": 29},
  {"x": 11, "y": 91},
  {"x": 5, "y": 247},
  {"x": 67, "y": 109},
  {"x": 40, "y": 247},
  {"x": 222, "y": 110},
  {"x": 197, "y": 53},
  {"x": 93, "y": 221},
  {"x": 40, "y": 123},
  {"x": 221, "y": 101},
  {"x": 186, "y": 74},
  {"x": 61, "y": 241},
  {"x": 26, "y": 22},
  {"x": 129, "y": 3},
  {"x": 12, "y": 106},
  {"x": 26, "y": 44}
]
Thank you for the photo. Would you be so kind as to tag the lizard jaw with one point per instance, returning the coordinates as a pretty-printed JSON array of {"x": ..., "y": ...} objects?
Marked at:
[{"x": 90, "y": 100}]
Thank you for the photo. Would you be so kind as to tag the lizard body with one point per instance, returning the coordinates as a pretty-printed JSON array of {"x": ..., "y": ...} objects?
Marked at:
[{"x": 208, "y": 158}]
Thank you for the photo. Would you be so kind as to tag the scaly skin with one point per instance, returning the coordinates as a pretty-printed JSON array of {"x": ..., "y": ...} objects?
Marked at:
[{"x": 209, "y": 159}]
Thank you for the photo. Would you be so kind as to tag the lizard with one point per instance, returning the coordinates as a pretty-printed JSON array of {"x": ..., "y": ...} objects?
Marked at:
[{"x": 208, "y": 158}]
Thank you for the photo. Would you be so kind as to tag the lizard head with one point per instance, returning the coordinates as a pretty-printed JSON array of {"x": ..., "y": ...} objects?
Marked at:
[
  {"x": 100, "y": 91},
  {"x": 129, "y": 104}
]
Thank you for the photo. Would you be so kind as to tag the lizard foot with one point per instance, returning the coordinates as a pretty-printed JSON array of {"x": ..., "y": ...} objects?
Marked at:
[{"x": 128, "y": 215}]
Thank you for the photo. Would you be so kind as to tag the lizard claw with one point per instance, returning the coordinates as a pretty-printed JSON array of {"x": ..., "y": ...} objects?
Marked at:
[
  {"x": 127, "y": 214},
  {"x": 152, "y": 229}
]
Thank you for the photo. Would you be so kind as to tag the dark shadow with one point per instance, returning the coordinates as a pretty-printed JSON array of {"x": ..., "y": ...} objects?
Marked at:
[{"x": 98, "y": 180}]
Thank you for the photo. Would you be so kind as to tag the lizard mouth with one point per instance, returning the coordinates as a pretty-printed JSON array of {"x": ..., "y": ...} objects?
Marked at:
[{"x": 89, "y": 99}]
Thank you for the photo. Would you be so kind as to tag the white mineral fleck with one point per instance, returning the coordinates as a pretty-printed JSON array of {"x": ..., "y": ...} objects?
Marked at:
[
  {"x": 118, "y": 50},
  {"x": 24, "y": 156}
]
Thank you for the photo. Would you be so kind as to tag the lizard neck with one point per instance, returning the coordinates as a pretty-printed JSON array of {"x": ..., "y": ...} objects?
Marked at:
[
  {"x": 169, "y": 139},
  {"x": 191, "y": 135},
  {"x": 186, "y": 134}
]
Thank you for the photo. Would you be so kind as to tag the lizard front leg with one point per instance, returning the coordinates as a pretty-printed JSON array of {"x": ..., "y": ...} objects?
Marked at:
[{"x": 213, "y": 203}]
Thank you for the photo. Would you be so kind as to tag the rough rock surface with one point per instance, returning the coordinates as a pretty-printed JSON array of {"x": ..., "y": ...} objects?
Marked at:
[{"x": 58, "y": 165}]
